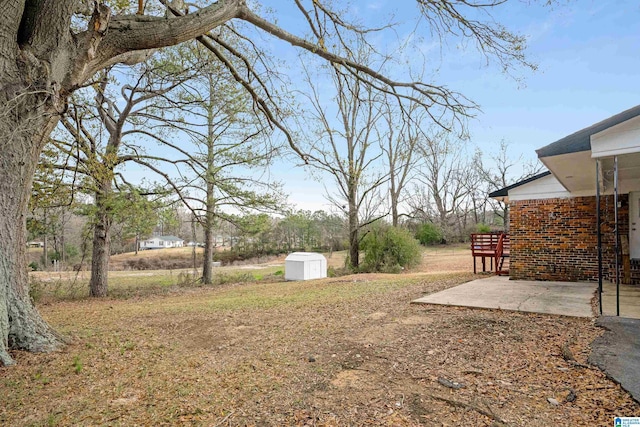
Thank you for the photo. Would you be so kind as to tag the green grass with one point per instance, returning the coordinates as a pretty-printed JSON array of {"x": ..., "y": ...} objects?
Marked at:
[
  {"x": 77, "y": 364},
  {"x": 293, "y": 295},
  {"x": 127, "y": 284},
  {"x": 49, "y": 287}
]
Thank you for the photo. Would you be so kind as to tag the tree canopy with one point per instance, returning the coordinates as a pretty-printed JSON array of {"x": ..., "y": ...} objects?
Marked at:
[{"x": 51, "y": 48}]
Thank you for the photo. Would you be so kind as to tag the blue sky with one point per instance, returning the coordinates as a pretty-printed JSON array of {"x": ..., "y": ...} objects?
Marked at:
[{"x": 588, "y": 59}]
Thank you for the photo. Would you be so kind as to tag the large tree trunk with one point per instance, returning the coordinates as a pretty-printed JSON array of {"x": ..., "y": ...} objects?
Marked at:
[
  {"x": 210, "y": 182},
  {"x": 207, "y": 268},
  {"x": 354, "y": 238},
  {"x": 394, "y": 207},
  {"x": 209, "y": 224},
  {"x": 41, "y": 64},
  {"x": 24, "y": 126},
  {"x": 45, "y": 251},
  {"x": 99, "y": 284},
  {"x": 393, "y": 193}
]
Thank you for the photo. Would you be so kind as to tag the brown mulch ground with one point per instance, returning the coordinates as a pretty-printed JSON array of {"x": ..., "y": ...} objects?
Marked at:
[{"x": 343, "y": 351}]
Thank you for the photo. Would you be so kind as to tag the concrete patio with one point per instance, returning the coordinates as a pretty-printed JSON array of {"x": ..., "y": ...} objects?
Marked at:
[
  {"x": 498, "y": 292},
  {"x": 629, "y": 300},
  {"x": 561, "y": 298},
  {"x": 616, "y": 352}
]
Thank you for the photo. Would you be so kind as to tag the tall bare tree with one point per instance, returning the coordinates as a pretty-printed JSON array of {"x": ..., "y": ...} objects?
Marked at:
[
  {"x": 100, "y": 138},
  {"x": 500, "y": 170},
  {"x": 442, "y": 176},
  {"x": 50, "y": 48},
  {"x": 347, "y": 152},
  {"x": 399, "y": 142}
]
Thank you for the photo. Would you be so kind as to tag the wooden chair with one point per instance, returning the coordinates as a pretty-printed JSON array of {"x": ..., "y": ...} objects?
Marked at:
[{"x": 494, "y": 246}]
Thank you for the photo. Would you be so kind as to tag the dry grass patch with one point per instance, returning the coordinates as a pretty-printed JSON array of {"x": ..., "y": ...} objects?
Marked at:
[
  {"x": 48, "y": 287},
  {"x": 344, "y": 351},
  {"x": 441, "y": 259}
]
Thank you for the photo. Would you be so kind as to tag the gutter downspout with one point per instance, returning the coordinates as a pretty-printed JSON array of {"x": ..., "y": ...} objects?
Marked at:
[
  {"x": 617, "y": 243},
  {"x": 598, "y": 230}
]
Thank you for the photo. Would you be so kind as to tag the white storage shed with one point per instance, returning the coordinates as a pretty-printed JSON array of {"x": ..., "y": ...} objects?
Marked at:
[{"x": 305, "y": 266}]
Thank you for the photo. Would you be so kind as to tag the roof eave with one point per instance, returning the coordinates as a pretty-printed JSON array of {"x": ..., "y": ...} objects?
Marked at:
[
  {"x": 503, "y": 193},
  {"x": 581, "y": 140}
]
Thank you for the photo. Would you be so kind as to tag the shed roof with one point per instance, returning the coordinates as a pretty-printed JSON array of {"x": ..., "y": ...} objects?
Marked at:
[
  {"x": 304, "y": 256},
  {"x": 581, "y": 140}
]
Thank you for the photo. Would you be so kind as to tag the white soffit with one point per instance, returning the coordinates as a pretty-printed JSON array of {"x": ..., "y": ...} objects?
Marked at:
[
  {"x": 628, "y": 173},
  {"x": 575, "y": 171},
  {"x": 547, "y": 187},
  {"x": 623, "y": 138}
]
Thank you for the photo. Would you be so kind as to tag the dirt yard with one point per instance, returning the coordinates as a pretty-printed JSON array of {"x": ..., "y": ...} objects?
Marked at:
[{"x": 335, "y": 352}]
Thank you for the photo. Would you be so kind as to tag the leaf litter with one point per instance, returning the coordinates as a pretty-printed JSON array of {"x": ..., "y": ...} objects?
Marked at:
[{"x": 336, "y": 352}]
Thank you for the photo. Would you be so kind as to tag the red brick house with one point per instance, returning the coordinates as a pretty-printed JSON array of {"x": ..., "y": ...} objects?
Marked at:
[{"x": 570, "y": 222}]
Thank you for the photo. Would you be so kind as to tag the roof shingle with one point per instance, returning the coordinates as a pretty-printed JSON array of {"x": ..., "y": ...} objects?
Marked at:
[{"x": 581, "y": 140}]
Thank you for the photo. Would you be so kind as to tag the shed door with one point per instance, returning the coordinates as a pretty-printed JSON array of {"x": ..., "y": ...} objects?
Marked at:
[
  {"x": 634, "y": 225},
  {"x": 314, "y": 269}
]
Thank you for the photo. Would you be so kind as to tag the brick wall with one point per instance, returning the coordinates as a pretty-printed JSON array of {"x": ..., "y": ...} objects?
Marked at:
[{"x": 555, "y": 239}]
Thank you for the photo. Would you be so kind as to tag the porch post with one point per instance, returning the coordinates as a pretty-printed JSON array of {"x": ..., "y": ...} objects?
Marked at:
[
  {"x": 617, "y": 233},
  {"x": 598, "y": 226}
]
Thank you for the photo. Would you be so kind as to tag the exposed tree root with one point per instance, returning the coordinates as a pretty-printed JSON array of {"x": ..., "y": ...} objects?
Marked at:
[
  {"x": 5, "y": 358},
  {"x": 465, "y": 405},
  {"x": 27, "y": 330}
]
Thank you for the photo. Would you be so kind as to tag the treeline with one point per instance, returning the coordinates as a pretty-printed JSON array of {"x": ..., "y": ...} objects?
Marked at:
[
  {"x": 66, "y": 232},
  {"x": 178, "y": 148}
]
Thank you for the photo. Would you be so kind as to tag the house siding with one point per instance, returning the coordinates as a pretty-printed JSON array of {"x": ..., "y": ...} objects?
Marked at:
[
  {"x": 162, "y": 242},
  {"x": 555, "y": 239}
]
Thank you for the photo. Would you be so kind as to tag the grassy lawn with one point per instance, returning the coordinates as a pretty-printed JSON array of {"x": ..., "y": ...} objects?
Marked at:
[
  {"x": 50, "y": 287},
  {"x": 124, "y": 283},
  {"x": 342, "y": 351}
]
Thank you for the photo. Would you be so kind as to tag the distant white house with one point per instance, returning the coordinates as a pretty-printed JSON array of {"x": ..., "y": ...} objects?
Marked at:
[
  {"x": 217, "y": 241},
  {"x": 161, "y": 242}
]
